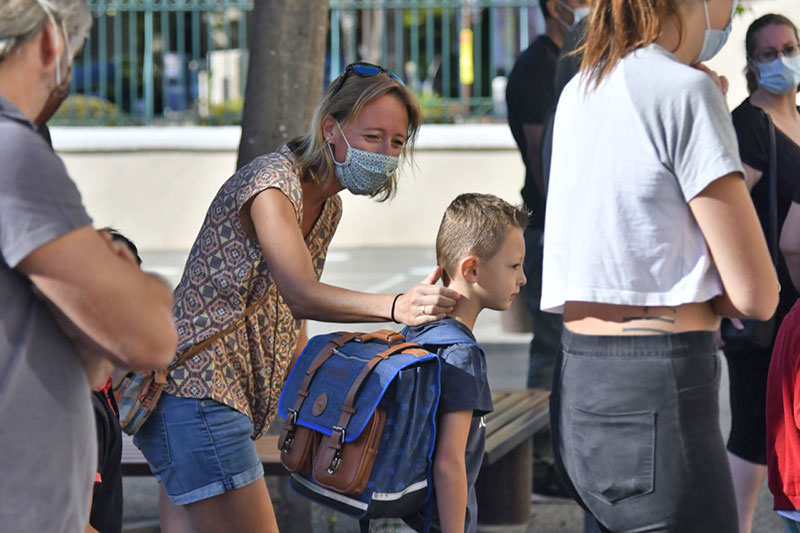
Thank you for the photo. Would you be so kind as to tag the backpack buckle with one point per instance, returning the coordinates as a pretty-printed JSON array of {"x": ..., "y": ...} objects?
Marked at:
[
  {"x": 291, "y": 420},
  {"x": 287, "y": 443},
  {"x": 335, "y": 462},
  {"x": 341, "y": 432}
]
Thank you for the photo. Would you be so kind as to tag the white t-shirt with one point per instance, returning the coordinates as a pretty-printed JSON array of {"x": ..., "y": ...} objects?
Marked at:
[{"x": 628, "y": 156}]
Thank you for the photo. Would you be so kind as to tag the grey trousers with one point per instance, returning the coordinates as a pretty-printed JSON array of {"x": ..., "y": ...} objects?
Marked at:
[{"x": 635, "y": 423}]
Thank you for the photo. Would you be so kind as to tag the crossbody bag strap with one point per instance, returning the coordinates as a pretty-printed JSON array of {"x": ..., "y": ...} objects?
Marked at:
[
  {"x": 161, "y": 375},
  {"x": 773, "y": 192}
]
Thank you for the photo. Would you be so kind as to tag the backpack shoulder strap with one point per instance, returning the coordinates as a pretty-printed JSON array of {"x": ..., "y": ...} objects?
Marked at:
[{"x": 441, "y": 335}]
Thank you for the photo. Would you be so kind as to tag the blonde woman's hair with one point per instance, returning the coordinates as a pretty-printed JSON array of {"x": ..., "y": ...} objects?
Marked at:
[
  {"x": 475, "y": 224},
  {"x": 313, "y": 158},
  {"x": 21, "y": 20}
]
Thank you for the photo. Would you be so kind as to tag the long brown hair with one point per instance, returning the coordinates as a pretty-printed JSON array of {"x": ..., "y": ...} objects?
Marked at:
[
  {"x": 313, "y": 159},
  {"x": 750, "y": 43},
  {"x": 618, "y": 27}
]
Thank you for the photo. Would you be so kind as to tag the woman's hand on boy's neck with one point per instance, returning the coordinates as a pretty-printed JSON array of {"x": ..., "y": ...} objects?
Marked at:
[{"x": 468, "y": 307}]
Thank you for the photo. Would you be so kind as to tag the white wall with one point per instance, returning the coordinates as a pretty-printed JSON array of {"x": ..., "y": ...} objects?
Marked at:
[{"x": 156, "y": 183}]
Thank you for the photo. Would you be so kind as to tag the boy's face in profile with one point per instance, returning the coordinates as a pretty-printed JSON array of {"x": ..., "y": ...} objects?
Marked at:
[{"x": 501, "y": 277}]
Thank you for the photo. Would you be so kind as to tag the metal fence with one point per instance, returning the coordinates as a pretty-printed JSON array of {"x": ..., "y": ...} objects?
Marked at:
[{"x": 185, "y": 61}]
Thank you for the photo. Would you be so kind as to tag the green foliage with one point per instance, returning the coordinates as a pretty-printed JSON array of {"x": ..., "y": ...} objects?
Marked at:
[
  {"x": 433, "y": 108},
  {"x": 80, "y": 108},
  {"x": 227, "y": 113}
]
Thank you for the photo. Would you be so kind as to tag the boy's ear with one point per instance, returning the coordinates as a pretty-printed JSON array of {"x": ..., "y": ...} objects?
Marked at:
[{"x": 468, "y": 268}]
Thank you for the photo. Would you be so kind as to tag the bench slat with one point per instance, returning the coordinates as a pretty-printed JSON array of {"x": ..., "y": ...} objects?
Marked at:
[
  {"x": 134, "y": 463},
  {"x": 504, "y": 402},
  {"x": 512, "y": 435},
  {"x": 513, "y": 408}
]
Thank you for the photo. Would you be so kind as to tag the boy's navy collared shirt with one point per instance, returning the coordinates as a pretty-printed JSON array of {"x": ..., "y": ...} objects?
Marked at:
[{"x": 464, "y": 387}]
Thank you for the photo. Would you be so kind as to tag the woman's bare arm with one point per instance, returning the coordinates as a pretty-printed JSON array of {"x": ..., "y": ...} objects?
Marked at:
[
  {"x": 727, "y": 218},
  {"x": 290, "y": 265}
]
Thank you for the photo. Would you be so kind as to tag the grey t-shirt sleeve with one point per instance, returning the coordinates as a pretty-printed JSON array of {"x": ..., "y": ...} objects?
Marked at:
[
  {"x": 688, "y": 123},
  {"x": 38, "y": 200}
]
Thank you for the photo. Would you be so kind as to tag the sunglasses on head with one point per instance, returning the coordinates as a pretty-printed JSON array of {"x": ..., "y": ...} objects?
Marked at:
[{"x": 364, "y": 70}]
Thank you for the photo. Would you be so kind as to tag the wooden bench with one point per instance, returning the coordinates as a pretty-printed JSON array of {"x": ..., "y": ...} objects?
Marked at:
[
  {"x": 134, "y": 464},
  {"x": 504, "y": 484}
]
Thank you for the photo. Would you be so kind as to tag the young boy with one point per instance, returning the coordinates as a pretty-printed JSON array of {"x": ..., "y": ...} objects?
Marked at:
[
  {"x": 106, "y": 511},
  {"x": 783, "y": 421},
  {"x": 480, "y": 248}
]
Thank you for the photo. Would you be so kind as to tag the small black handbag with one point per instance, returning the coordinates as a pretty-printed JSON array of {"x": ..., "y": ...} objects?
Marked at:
[{"x": 758, "y": 334}]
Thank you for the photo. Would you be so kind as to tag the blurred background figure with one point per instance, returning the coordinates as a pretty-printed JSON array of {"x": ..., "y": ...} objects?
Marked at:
[{"x": 773, "y": 76}]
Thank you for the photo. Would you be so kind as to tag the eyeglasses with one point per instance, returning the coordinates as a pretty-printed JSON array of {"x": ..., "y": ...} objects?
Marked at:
[
  {"x": 364, "y": 70},
  {"x": 769, "y": 54}
]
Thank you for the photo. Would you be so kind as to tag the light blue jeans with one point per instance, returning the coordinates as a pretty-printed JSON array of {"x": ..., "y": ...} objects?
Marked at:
[{"x": 790, "y": 525}]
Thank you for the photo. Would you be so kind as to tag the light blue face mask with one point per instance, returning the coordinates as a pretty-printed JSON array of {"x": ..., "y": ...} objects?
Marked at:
[
  {"x": 362, "y": 172},
  {"x": 714, "y": 40},
  {"x": 578, "y": 13},
  {"x": 781, "y": 75},
  {"x": 581, "y": 13}
]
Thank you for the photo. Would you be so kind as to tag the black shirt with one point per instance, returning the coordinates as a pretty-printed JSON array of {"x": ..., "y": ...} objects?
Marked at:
[
  {"x": 752, "y": 131},
  {"x": 464, "y": 387},
  {"x": 106, "y": 514},
  {"x": 531, "y": 98}
]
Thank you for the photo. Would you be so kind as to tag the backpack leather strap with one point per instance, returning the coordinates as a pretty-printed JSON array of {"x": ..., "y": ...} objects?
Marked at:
[
  {"x": 348, "y": 407},
  {"x": 289, "y": 424}
]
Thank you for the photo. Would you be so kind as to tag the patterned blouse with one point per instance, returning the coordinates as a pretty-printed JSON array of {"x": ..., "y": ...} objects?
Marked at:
[{"x": 225, "y": 274}]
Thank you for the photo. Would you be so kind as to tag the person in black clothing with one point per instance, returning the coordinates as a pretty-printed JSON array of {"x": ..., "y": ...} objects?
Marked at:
[
  {"x": 568, "y": 65},
  {"x": 773, "y": 76},
  {"x": 106, "y": 512},
  {"x": 531, "y": 98}
]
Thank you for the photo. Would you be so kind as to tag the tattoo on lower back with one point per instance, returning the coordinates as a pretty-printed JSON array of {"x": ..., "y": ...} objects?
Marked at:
[
  {"x": 646, "y": 316},
  {"x": 647, "y": 330}
]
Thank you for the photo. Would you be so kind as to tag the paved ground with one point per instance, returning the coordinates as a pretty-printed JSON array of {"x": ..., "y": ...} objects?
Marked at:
[{"x": 394, "y": 270}]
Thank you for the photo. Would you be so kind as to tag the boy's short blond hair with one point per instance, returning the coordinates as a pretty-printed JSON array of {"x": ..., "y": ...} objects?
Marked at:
[{"x": 475, "y": 224}]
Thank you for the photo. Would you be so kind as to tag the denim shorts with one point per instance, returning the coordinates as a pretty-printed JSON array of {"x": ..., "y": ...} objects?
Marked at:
[{"x": 198, "y": 449}]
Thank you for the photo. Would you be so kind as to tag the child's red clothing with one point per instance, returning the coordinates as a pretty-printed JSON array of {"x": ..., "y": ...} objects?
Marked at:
[{"x": 783, "y": 415}]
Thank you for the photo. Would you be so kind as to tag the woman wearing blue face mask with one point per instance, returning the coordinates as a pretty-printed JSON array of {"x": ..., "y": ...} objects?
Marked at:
[
  {"x": 251, "y": 279},
  {"x": 773, "y": 76}
]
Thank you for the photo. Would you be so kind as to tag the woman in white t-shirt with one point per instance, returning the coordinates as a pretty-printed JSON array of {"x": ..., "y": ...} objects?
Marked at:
[{"x": 650, "y": 237}]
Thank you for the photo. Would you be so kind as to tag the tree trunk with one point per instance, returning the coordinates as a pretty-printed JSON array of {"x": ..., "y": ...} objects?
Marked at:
[{"x": 285, "y": 73}]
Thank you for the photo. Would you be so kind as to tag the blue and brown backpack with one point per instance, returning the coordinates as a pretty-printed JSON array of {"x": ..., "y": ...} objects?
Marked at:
[{"x": 359, "y": 415}]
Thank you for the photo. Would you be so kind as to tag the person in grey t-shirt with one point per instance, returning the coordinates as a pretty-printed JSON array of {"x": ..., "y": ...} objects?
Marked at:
[{"x": 72, "y": 302}]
